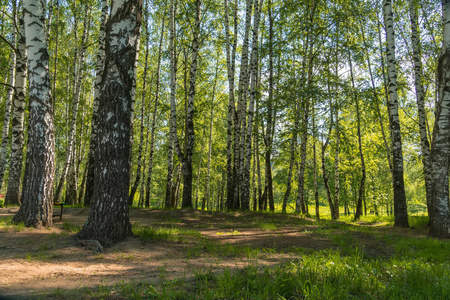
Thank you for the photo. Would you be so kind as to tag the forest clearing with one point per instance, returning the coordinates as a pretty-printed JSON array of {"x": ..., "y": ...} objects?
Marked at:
[
  {"x": 190, "y": 254},
  {"x": 225, "y": 149}
]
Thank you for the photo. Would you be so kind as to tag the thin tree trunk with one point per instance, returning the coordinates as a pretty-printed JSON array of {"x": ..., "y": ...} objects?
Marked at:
[
  {"x": 15, "y": 170},
  {"x": 186, "y": 158},
  {"x": 400, "y": 208},
  {"x": 144, "y": 96},
  {"x": 154, "y": 114},
  {"x": 337, "y": 146},
  {"x": 245, "y": 201},
  {"x": 108, "y": 220},
  {"x": 316, "y": 192},
  {"x": 231, "y": 105},
  {"x": 420, "y": 98},
  {"x": 37, "y": 193},
  {"x": 90, "y": 178},
  {"x": 173, "y": 88},
  {"x": 292, "y": 160},
  {"x": 211, "y": 119},
  {"x": 8, "y": 104},
  {"x": 361, "y": 155},
  {"x": 70, "y": 150},
  {"x": 268, "y": 138}
]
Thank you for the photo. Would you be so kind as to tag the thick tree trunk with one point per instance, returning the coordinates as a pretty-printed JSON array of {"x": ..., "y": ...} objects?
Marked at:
[
  {"x": 37, "y": 193},
  {"x": 440, "y": 224},
  {"x": 420, "y": 98},
  {"x": 400, "y": 208},
  {"x": 90, "y": 178},
  {"x": 108, "y": 220},
  {"x": 15, "y": 170}
]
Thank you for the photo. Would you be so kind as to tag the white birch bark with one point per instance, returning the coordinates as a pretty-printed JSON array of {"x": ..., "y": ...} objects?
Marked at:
[
  {"x": 70, "y": 150},
  {"x": 400, "y": 209},
  {"x": 186, "y": 157},
  {"x": 108, "y": 220},
  {"x": 98, "y": 80},
  {"x": 173, "y": 89},
  {"x": 245, "y": 201},
  {"x": 8, "y": 104},
  {"x": 17, "y": 137},
  {"x": 37, "y": 193},
  {"x": 154, "y": 114},
  {"x": 210, "y": 139},
  {"x": 440, "y": 223},
  {"x": 420, "y": 98},
  {"x": 231, "y": 101},
  {"x": 240, "y": 115}
]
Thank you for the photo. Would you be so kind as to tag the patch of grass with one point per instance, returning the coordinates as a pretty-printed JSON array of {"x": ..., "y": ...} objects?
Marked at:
[
  {"x": 265, "y": 226},
  {"x": 6, "y": 225},
  {"x": 424, "y": 249},
  {"x": 147, "y": 233},
  {"x": 70, "y": 227}
]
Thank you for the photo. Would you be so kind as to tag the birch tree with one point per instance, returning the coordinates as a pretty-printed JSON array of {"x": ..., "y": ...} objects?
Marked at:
[
  {"x": 108, "y": 220},
  {"x": 98, "y": 80},
  {"x": 154, "y": 114},
  {"x": 400, "y": 209},
  {"x": 245, "y": 201},
  {"x": 37, "y": 192},
  {"x": 420, "y": 98},
  {"x": 9, "y": 100},
  {"x": 186, "y": 157},
  {"x": 12, "y": 196},
  {"x": 440, "y": 223}
]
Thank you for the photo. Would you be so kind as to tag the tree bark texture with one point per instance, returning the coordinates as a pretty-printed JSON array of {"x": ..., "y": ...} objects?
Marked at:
[
  {"x": 400, "y": 208},
  {"x": 231, "y": 58},
  {"x": 90, "y": 177},
  {"x": 8, "y": 104},
  {"x": 173, "y": 90},
  {"x": 108, "y": 220},
  {"x": 12, "y": 196},
  {"x": 245, "y": 200},
  {"x": 37, "y": 192},
  {"x": 420, "y": 98},
  {"x": 440, "y": 224},
  {"x": 154, "y": 115}
]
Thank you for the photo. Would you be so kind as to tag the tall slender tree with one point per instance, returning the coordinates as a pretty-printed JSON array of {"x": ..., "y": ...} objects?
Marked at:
[
  {"x": 15, "y": 170},
  {"x": 400, "y": 208}
]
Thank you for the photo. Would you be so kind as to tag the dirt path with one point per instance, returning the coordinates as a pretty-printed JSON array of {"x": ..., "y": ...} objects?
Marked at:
[{"x": 34, "y": 262}]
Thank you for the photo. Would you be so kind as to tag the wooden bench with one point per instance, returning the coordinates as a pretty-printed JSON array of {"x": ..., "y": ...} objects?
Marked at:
[{"x": 60, "y": 215}]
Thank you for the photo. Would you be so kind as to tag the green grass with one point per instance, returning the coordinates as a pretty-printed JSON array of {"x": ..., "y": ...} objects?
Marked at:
[
  {"x": 148, "y": 233},
  {"x": 319, "y": 275},
  {"x": 70, "y": 227}
]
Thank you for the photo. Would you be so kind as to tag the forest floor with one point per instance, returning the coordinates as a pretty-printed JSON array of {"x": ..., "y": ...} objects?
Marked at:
[{"x": 185, "y": 252}]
